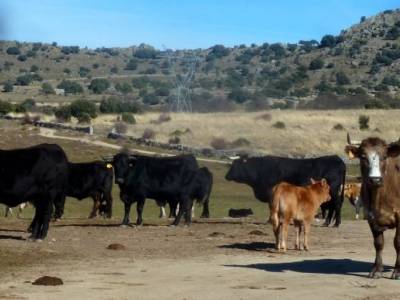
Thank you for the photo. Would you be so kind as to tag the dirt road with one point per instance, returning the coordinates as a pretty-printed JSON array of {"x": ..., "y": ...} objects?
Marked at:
[{"x": 213, "y": 260}]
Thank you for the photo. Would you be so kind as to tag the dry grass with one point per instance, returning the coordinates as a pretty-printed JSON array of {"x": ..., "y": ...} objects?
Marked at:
[{"x": 307, "y": 132}]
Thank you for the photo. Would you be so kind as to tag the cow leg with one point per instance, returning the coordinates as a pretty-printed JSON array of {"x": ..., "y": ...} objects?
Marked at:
[
  {"x": 377, "y": 269},
  {"x": 8, "y": 211},
  {"x": 285, "y": 226},
  {"x": 47, "y": 213},
  {"x": 187, "y": 209},
  {"x": 59, "y": 205},
  {"x": 206, "y": 210},
  {"x": 107, "y": 197},
  {"x": 162, "y": 215},
  {"x": 276, "y": 228},
  {"x": 297, "y": 226},
  {"x": 307, "y": 226},
  {"x": 172, "y": 209},
  {"x": 178, "y": 215},
  {"x": 358, "y": 207},
  {"x": 139, "y": 210},
  {"x": 396, "y": 271},
  {"x": 338, "y": 213},
  {"x": 96, "y": 206},
  {"x": 193, "y": 209},
  {"x": 127, "y": 206}
]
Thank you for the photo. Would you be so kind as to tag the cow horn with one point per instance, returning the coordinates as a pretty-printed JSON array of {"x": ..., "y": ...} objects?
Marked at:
[
  {"x": 350, "y": 142},
  {"x": 234, "y": 157}
]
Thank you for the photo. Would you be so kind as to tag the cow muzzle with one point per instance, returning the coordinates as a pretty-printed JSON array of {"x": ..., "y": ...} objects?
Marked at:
[{"x": 376, "y": 181}]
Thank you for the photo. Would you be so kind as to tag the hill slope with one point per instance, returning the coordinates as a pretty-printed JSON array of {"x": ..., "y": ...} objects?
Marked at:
[{"x": 362, "y": 59}]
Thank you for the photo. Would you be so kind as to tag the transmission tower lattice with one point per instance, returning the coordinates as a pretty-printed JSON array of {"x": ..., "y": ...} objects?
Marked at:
[{"x": 181, "y": 100}]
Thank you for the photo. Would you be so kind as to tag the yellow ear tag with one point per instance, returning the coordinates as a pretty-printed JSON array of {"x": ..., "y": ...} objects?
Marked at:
[{"x": 109, "y": 166}]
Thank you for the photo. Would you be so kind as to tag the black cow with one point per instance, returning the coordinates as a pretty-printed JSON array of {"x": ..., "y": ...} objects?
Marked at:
[
  {"x": 200, "y": 190},
  {"x": 91, "y": 179},
  {"x": 263, "y": 173},
  {"x": 164, "y": 179},
  {"x": 37, "y": 174}
]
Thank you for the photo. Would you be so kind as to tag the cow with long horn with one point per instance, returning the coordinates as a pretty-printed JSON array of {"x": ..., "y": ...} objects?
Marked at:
[{"x": 380, "y": 192}]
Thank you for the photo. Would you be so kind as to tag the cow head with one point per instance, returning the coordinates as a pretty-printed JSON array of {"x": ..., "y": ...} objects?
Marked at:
[
  {"x": 122, "y": 163},
  {"x": 322, "y": 188},
  {"x": 373, "y": 154},
  {"x": 240, "y": 170}
]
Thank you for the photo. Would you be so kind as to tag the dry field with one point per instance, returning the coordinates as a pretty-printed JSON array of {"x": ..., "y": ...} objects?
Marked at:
[
  {"x": 307, "y": 132},
  {"x": 213, "y": 259}
]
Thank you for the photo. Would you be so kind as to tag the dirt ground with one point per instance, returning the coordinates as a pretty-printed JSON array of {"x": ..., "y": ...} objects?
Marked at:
[{"x": 214, "y": 259}]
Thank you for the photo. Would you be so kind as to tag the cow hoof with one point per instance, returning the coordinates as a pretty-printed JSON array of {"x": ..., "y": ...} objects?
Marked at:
[
  {"x": 395, "y": 275},
  {"x": 57, "y": 220},
  {"x": 375, "y": 275},
  {"x": 124, "y": 225},
  {"x": 39, "y": 240}
]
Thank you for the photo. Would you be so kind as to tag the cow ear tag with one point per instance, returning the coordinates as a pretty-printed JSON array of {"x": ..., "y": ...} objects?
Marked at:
[{"x": 109, "y": 166}]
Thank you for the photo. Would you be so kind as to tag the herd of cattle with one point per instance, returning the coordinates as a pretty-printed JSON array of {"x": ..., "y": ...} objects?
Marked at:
[{"x": 293, "y": 188}]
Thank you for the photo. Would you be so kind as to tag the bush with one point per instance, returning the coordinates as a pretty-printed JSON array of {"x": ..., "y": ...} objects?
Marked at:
[
  {"x": 164, "y": 117},
  {"x": 145, "y": 52},
  {"x": 316, "y": 64},
  {"x": 240, "y": 143},
  {"x": 8, "y": 87},
  {"x": 83, "y": 106},
  {"x": 116, "y": 105},
  {"x": 84, "y": 118},
  {"x": 131, "y": 65},
  {"x": 63, "y": 114},
  {"x": 162, "y": 91},
  {"x": 70, "y": 87},
  {"x": 148, "y": 134},
  {"x": 279, "y": 125},
  {"x": 174, "y": 140},
  {"x": 5, "y": 107},
  {"x": 24, "y": 80},
  {"x": 28, "y": 104},
  {"x": 124, "y": 88},
  {"x": 363, "y": 122},
  {"x": 47, "y": 89},
  {"x": 151, "y": 99},
  {"x": 342, "y": 79},
  {"x": 13, "y": 51},
  {"x": 238, "y": 95},
  {"x": 338, "y": 127},
  {"x": 34, "y": 68},
  {"x": 219, "y": 144},
  {"x": 70, "y": 49},
  {"x": 22, "y": 58},
  {"x": 328, "y": 41},
  {"x": 128, "y": 118},
  {"x": 83, "y": 71},
  {"x": 99, "y": 85},
  {"x": 120, "y": 128}
]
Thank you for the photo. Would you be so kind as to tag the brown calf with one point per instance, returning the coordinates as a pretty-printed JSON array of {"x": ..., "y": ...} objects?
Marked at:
[
  {"x": 297, "y": 204},
  {"x": 380, "y": 192}
]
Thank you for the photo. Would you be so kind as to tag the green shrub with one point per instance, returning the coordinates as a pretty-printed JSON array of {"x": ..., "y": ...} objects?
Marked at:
[
  {"x": 24, "y": 80},
  {"x": 13, "y": 51},
  {"x": 63, "y": 113},
  {"x": 116, "y": 105},
  {"x": 128, "y": 118},
  {"x": 124, "y": 88},
  {"x": 83, "y": 106},
  {"x": 279, "y": 125},
  {"x": 70, "y": 87},
  {"x": 28, "y": 104},
  {"x": 8, "y": 87},
  {"x": 84, "y": 118},
  {"x": 363, "y": 122},
  {"x": 99, "y": 85},
  {"x": 338, "y": 127},
  {"x": 5, "y": 107},
  {"x": 47, "y": 89},
  {"x": 342, "y": 79},
  {"x": 316, "y": 64}
]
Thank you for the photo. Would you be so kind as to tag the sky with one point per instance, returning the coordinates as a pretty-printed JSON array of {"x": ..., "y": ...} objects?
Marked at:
[{"x": 180, "y": 24}]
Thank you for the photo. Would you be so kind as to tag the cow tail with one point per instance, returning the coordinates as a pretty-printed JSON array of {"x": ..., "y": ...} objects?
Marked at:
[{"x": 343, "y": 185}]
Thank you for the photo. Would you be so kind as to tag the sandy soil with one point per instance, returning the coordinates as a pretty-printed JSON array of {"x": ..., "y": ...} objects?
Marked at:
[{"x": 217, "y": 259}]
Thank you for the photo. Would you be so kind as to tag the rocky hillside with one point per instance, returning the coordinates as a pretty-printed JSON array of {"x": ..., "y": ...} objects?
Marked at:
[{"x": 359, "y": 67}]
